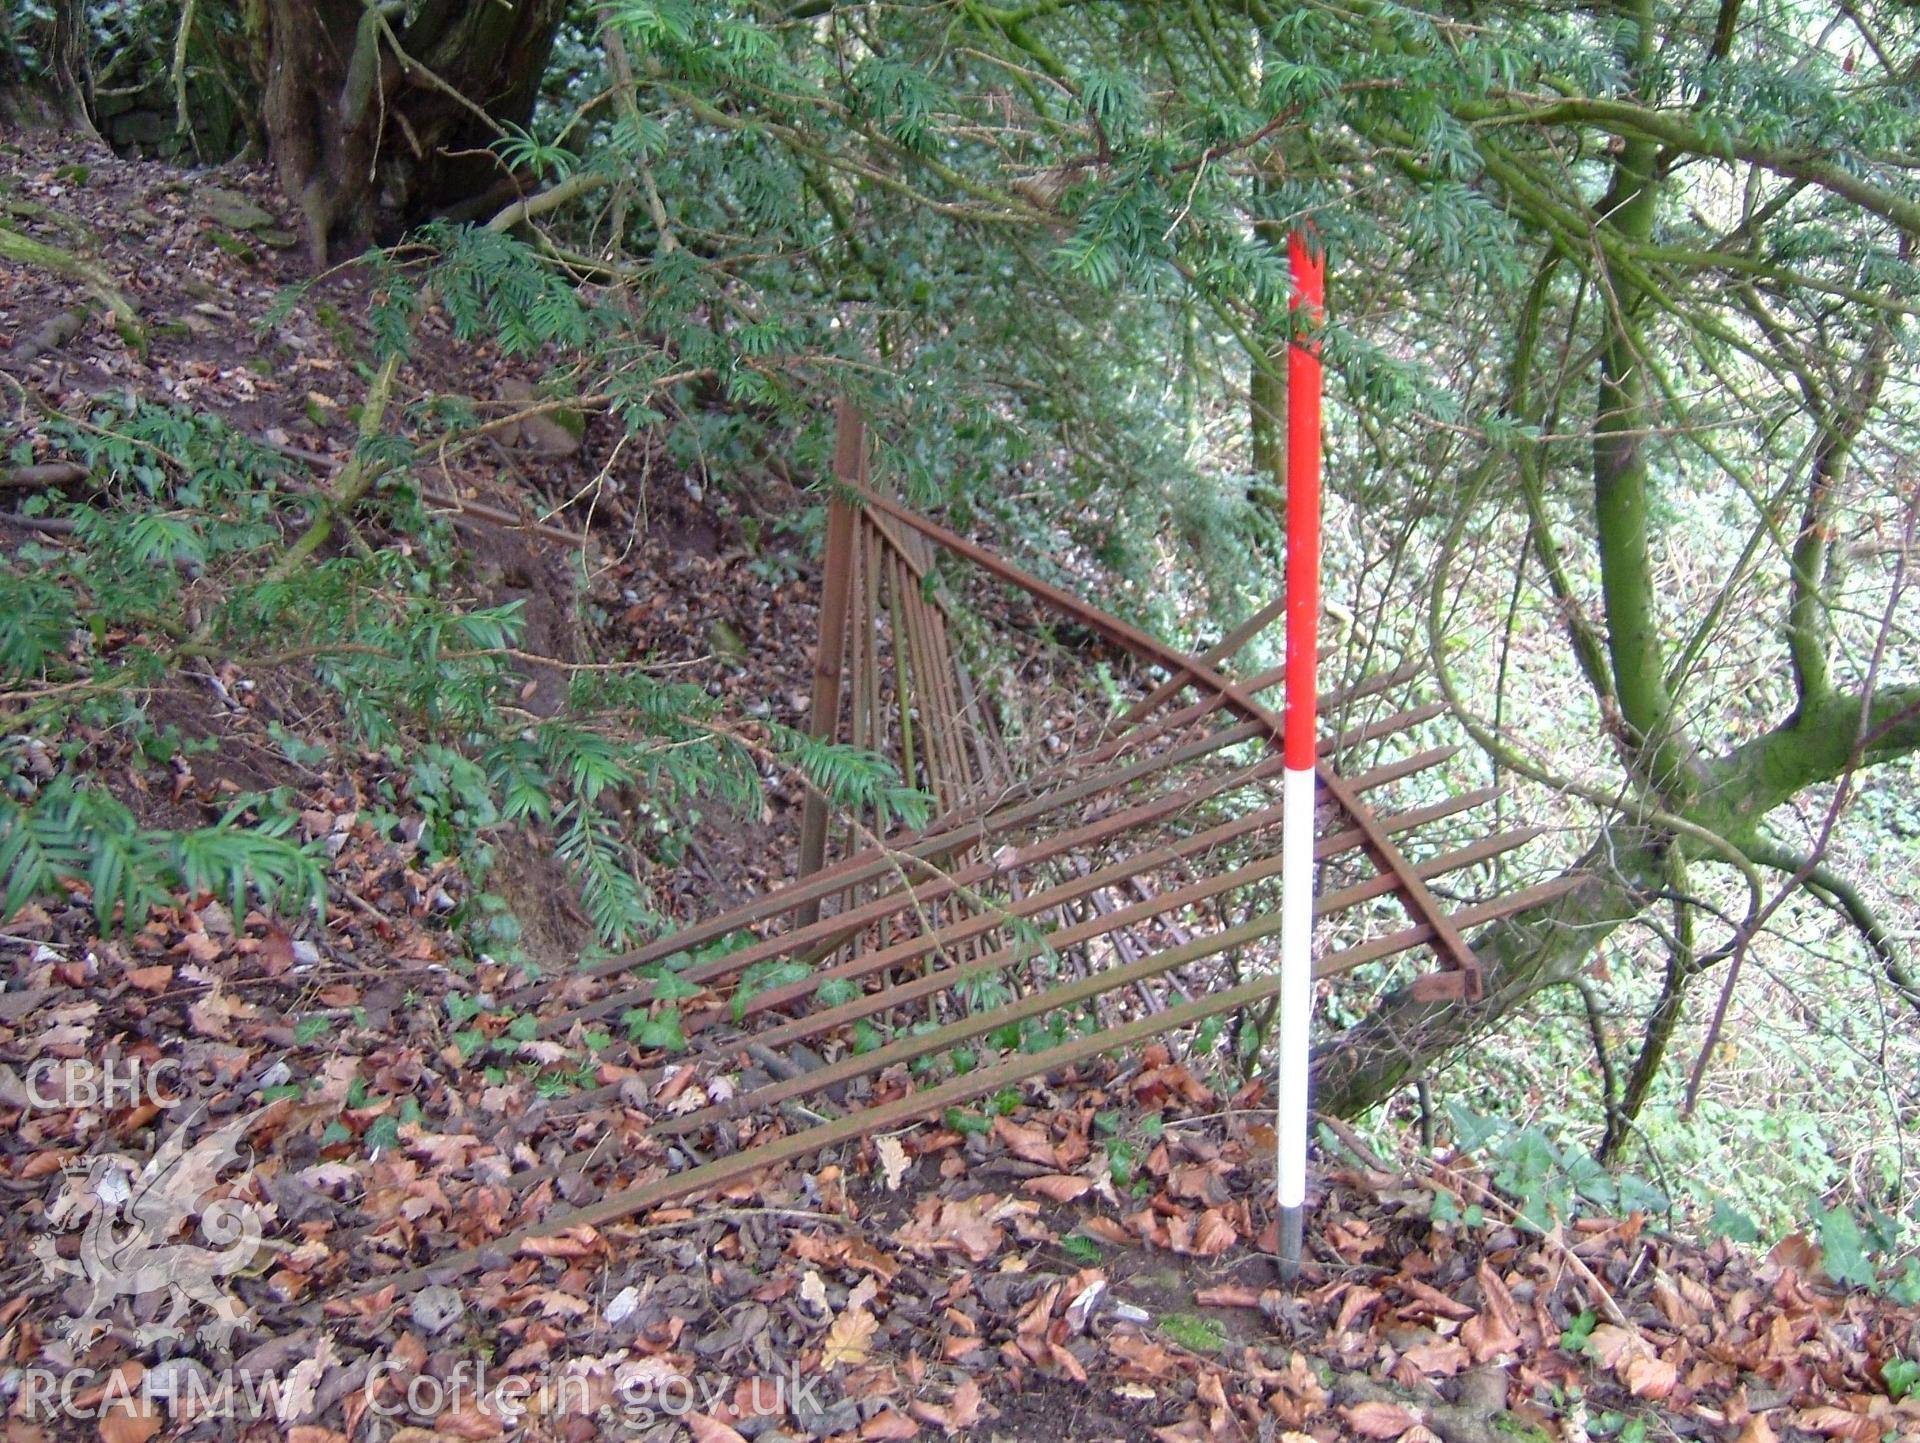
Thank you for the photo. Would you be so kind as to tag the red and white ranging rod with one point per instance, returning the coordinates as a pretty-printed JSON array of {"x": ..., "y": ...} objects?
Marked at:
[{"x": 1299, "y": 749}]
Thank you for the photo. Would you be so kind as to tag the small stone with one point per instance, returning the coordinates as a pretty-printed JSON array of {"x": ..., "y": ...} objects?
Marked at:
[
  {"x": 232, "y": 209},
  {"x": 556, "y": 433},
  {"x": 436, "y": 1308},
  {"x": 625, "y": 1303}
]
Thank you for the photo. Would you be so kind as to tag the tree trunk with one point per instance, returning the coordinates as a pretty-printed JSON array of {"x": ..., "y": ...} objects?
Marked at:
[
  {"x": 70, "y": 65},
  {"x": 374, "y": 122},
  {"x": 1374, "y": 1059},
  {"x": 62, "y": 98}
]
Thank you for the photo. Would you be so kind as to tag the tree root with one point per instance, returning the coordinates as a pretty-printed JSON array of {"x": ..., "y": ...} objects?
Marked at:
[
  {"x": 22, "y": 250},
  {"x": 49, "y": 525},
  {"x": 53, "y": 334}
]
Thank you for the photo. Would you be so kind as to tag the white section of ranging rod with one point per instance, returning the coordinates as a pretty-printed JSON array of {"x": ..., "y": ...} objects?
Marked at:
[{"x": 1296, "y": 1002}]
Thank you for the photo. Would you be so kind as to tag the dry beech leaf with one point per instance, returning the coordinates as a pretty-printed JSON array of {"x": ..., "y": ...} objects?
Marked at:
[
  {"x": 1837, "y": 1423},
  {"x": 1611, "y": 1344},
  {"x": 129, "y": 1420},
  {"x": 472, "y": 1424},
  {"x": 966, "y": 1404},
  {"x": 966, "y": 1225},
  {"x": 1441, "y": 1358},
  {"x": 1378, "y": 1420},
  {"x": 1651, "y": 1378},
  {"x": 1214, "y": 1234},
  {"x": 1029, "y": 1144},
  {"x": 1107, "y": 1230},
  {"x": 1061, "y": 1187},
  {"x": 850, "y": 1339},
  {"x": 890, "y": 1424},
  {"x": 706, "y": 1429},
  {"x": 1488, "y": 1337},
  {"x": 1795, "y": 1251}
]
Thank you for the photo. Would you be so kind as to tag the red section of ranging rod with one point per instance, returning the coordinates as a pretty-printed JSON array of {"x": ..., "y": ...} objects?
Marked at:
[{"x": 1303, "y": 499}]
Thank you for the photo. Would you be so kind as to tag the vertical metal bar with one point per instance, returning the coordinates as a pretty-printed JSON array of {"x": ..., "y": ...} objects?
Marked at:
[
  {"x": 938, "y": 713},
  {"x": 863, "y": 674},
  {"x": 904, "y": 674},
  {"x": 835, "y": 597},
  {"x": 1299, "y": 745}
]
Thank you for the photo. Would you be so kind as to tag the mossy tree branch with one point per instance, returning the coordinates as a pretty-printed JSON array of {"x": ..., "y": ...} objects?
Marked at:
[
  {"x": 355, "y": 480},
  {"x": 23, "y": 251}
]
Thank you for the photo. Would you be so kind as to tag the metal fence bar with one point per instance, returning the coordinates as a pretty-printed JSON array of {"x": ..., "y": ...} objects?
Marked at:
[
  {"x": 915, "y": 1106},
  {"x": 926, "y": 1044}
]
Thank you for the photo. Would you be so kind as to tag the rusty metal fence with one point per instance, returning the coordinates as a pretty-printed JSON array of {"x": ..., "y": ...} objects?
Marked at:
[{"x": 1048, "y": 914}]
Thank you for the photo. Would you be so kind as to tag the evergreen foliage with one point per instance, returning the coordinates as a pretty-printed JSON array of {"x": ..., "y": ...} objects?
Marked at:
[{"x": 189, "y": 511}]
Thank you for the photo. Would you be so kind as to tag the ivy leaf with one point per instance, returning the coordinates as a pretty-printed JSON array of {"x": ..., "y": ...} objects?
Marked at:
[
  {"x": 764, "y": 977},
  {"x": 662, "y": 1031},
  {"x": 669, "y": 987},
  {"x": 1900, "y": 1375},
  {"x": 384, "y": 1134},
  {"x": 1843, "y": 1249},
  {"x": 1730, "y": 1223},
  {"x": 311, "y": 1029},
  {"x": 836, "y": 992}
]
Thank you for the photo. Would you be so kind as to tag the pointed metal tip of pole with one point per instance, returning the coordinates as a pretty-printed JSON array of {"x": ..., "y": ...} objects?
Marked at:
[{"x": 1292, "y": 1234}]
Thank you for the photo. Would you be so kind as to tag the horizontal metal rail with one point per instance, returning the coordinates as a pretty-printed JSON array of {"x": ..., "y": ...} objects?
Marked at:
[
  {"x": 1332, "y": 845},
  {"x": 956, "y": 831},
  {"x": 939, "y": 885},
  {"x": 942, "y": 979},
  {"x": 914, "y": 1107},
  {"x": 1085, "y": 989}
]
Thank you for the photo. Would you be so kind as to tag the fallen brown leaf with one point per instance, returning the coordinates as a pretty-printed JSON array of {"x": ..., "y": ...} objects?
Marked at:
[
  {"x": 1378, "y": 1420},
  {"x": 1837, "y": 1422},
  {"x": 706, "y": 1429},
  {"x": 850, "y": 1339},
  {"x": 1061, "y": 1187},
  {"x": 1029, "y": 1144},
  {"x": 956, "y": 1415},
  {"x": 1649, "y": 1377}
]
